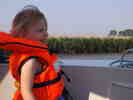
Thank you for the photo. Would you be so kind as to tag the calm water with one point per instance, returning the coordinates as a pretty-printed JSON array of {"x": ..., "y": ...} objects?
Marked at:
[{"x": 96, "y": 63}]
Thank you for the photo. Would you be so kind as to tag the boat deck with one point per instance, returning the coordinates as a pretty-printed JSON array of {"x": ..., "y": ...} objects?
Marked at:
[{"x": 88, "y": 83}]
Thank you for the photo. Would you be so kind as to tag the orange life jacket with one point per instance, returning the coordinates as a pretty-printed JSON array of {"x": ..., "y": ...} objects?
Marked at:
[{"x": 49, "y": 84}]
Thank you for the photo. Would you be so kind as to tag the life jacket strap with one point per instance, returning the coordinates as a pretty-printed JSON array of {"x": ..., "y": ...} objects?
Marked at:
[
  {"x": 49, "y": 82},
  {"x": 42, "y": 84}
]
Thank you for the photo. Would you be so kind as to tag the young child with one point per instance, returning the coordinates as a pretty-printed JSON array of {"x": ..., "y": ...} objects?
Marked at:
[{"x": 31, "y": 24}]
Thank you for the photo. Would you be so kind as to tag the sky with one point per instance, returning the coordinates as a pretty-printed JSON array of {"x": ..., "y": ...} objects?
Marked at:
[{"x": 74, "y": 16}]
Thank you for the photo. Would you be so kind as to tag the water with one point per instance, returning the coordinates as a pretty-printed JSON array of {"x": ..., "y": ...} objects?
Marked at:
[{"x": 96, "y": 63}]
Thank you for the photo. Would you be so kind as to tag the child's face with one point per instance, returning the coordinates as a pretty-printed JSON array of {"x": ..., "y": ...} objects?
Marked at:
[{"x": 37, "y": 31}]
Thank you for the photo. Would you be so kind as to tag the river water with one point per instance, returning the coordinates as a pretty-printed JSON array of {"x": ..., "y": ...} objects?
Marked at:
[{"x": 89, "y": 63}]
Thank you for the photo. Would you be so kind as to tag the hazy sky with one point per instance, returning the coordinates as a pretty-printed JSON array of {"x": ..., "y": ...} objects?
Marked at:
[{"x": 75, "y": 16}]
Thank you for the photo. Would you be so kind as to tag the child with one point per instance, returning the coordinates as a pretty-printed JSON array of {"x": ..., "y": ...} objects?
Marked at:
[{"x": 31, "y": 24}]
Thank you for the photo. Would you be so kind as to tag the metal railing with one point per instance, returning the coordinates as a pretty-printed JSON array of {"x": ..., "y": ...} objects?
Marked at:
[{"x": 125, "y": 61}]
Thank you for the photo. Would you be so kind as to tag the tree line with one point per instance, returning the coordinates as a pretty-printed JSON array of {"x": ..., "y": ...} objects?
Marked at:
[{"x": 126, "y": 32}]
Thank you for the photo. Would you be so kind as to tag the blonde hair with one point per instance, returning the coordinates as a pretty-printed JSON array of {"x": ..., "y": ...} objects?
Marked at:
[{"x": 25, "y": 18}]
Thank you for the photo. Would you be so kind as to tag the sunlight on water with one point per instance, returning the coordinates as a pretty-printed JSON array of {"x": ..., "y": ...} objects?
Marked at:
[{"x": 96, "y": 63}]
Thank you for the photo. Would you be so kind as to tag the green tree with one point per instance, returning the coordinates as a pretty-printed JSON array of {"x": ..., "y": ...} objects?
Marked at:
[
  {"x": 112, "y": 33},
  {"x": 127, "y": 32}
]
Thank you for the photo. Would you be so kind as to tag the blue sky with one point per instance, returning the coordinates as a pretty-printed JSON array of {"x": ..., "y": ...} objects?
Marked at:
[{"x": 75, "y": 16}]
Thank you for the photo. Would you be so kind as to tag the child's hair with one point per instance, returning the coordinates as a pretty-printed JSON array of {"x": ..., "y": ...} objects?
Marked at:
[{"x": 25, "y": 19}]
